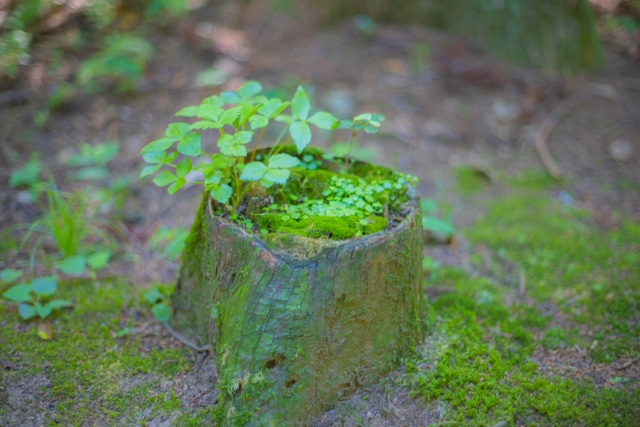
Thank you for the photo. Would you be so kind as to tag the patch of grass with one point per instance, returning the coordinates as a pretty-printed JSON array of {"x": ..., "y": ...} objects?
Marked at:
[
  {"x": 591, "y": 275},
  {"x": 86, "y": 366}
]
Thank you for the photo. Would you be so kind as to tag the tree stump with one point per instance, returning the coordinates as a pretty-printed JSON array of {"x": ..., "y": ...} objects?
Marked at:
[{"x": 296, "y": 327}]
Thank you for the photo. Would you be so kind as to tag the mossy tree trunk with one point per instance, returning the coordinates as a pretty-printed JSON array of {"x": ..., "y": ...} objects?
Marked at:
[{"x": 297, "y": 323}]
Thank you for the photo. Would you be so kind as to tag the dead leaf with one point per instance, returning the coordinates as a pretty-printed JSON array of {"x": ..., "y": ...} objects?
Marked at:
[{"x": 45, "y": 331}]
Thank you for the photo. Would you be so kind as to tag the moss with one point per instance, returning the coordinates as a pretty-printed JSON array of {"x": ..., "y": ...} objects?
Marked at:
[{"x": 375, "y": 224}]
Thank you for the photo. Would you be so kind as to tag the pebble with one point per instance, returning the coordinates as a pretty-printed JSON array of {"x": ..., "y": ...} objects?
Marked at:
[{"x": 621, "y": 150}]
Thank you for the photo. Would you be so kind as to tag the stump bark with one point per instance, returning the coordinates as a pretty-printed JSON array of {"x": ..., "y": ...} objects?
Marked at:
[{"x": 297, "y": 325}]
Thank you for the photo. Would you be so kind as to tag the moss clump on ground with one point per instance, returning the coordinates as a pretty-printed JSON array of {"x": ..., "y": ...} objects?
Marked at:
[
  {"x": 476, "y": 361},
  {"x": 91, "y": 376},
  {"x": 317, "y": 227}
]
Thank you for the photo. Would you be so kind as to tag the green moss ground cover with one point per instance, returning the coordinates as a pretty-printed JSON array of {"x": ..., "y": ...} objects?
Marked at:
[
  {"x": 476, "y": 362},
  {"x": 476, "y": 366}
]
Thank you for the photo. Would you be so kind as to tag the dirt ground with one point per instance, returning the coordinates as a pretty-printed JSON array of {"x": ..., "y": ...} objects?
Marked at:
[{"x": 460, "y": 108}]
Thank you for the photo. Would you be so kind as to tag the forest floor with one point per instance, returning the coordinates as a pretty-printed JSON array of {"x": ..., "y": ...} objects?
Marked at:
[{"x": 533, "y": 308}]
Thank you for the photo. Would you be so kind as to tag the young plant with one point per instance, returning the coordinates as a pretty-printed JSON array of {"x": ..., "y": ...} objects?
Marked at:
[
  {"x": 170, "y": 241},
  {"x": 159, "y": 297},
  {"x": 35, "y": 297},
  {"x": 240, "y": 119},
  {"x": 369, "y": 122},
  {"x": 29, "y": 176}
]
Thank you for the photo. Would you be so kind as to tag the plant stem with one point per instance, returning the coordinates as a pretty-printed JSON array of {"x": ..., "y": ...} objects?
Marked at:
[
  {"x": 255, "y": 148},
  {"x": 347, "y": 158},
  {"x": 278, "y": 141}
]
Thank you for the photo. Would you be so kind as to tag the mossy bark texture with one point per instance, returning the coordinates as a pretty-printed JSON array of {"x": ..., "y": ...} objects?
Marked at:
[{"x": 298, "y": 324}]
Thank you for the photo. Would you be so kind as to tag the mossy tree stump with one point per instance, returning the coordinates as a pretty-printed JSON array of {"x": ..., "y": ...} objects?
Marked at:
[{"x": 297, "y": 323}]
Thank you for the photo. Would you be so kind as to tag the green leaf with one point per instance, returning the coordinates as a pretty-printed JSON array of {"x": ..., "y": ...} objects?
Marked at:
[
  {"x": 164, "y": 178},
  {"x": 177, "y": 185},
  {"x": 253, "y": 171},
  {"x": 161, "y": 312},
  {"x": 149, "y": 170},
  {"x": 206, "y": 124},
  {"x": 283, "y": 161},
  {"x": 210, "y": 112},
  {"x": 243, "y": 137},
  {"x": 229, "y": 147},
  {"x": 188, "y": 111},
  {"x": 177, "y": 130},
  {"x": 249, "y": 89},
  {"x": 230, "y": 97},
  {"x": 18, "y": 293},
  {"x": 213, "y": 100},
  {"x": 345, "y": 124},
  {"x": 183, "y": 168},
  {"x": 73, "y": 265},
  {"x": 300, "y": 104},
  {"x": 284, "y": 118},
  {"x": 219, "y": 161},
  {"x": 154, "y": 157},
  {"x": 93, "y": 173},
  {"x": 438, "y": 225},
  {"x": 98, "y": 260},
  {"x": 153, "y": 295},
  {"x": 44, "y": 286},
  {"x": 277, "y": 176},
  {"x": 257, "y": 121},
  {"x": 26, "y": 311},
  {"x": 43, "y": 310},
  {"x": 301, "y": 134},
  {"x": 324, "y": 120},
  {"x": 221, "y": 193},
  {"x": 59, "y": 303},
  {"x": 8, "y": 275},
  {"x": 272, "y": 108},
  {"x": 229, "y": 116},
  {"x": 27, "y": 175},
  {"x": 161, "y": 144},
  {"x": 190, "y": 145}
]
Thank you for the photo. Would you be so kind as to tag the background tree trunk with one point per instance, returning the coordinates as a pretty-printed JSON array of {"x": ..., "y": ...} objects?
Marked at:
[{"x": 295, "y": 328}]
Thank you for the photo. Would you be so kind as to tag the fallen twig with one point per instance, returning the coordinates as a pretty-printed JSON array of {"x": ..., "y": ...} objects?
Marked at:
[
  {"x": 556, "y": 115},
  {"x": 184, "y": 340},
  {"x": 628, "y": 363}
]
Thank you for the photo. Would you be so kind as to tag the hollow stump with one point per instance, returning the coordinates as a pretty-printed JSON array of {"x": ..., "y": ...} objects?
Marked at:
[{"x": 298, "y": 324}]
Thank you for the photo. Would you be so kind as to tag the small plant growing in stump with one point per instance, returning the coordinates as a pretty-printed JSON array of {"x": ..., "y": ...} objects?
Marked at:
[{"x": 302, "y": 270}]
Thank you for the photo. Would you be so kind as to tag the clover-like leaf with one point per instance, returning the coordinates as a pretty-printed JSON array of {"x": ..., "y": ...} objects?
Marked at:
[
  {"x": 301, "y": 134},
  {"x": 249, "y": 89},
  {"x": 9, "y": 275},
  {"x": 26, "y": 311},
  {"x": 220, "y": 161},
  {"x": 300, "y": 104},
  {"x": 44, "y": 286},
  {"x": 213, "y": 100},
  {"x": 154, "y": 157},
  {"x": 190, "y": 145},
  {"x": 164, "y": 178},
  {"x": 253, "y": 171},
  {"x": 177, "y": 185},
  {"x": 161, "y": 144},
  {"x": 230, "y": 115},
  {"x": 177, "y": 130},
  {"x": 18, "y": 293},
  {"x": 324, "y": 120},
  {"x": 221, "y": 193},
  {"x": 277, "y": 176},
  {"x": 283, "y": 161},
  {"x": 209, "y": 112},
  {"x": 230, "y": 147},
  {"x": 183, "y": 168},
  {"x": 73, "y": 265}
]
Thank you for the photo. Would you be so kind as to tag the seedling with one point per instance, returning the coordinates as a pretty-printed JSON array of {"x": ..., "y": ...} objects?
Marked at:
[
  {"x": 171, "y": 239},
  {"x": 158, "y": 297},
  {"x": 369, "y": 122},
  {"x": 34, "y": 298},
  {"x": 29, "y": 176}
]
